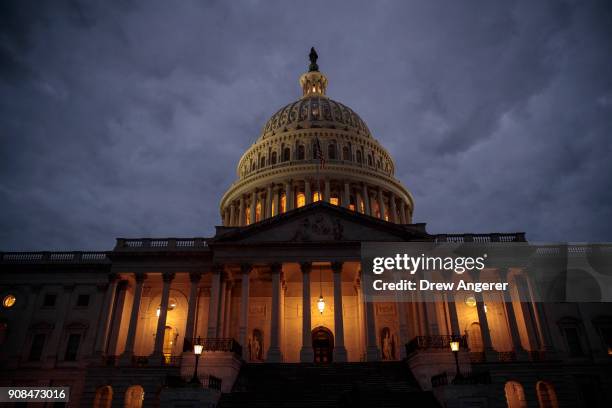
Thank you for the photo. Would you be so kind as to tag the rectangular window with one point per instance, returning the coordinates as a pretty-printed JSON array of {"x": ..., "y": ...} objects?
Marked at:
[
  {"x": 38, "y": 343},
  {"x": 49, "y": 300},
  {"x": 83, "y": 301},
  {"x": 72, "y": 347},
  {"x": 573, "y": 342}
]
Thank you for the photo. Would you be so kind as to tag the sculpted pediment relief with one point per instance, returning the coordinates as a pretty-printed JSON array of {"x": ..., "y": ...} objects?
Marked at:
[{"x": 317, "y": 223}]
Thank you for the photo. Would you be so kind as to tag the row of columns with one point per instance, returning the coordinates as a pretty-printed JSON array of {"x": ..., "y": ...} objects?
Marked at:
[
  {"x": 109, "y": 328},
  {"x": 236, "y": 213}
]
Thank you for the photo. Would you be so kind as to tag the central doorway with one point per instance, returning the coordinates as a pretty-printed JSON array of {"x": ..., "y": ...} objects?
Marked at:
[{"x": 322, "y": 344}]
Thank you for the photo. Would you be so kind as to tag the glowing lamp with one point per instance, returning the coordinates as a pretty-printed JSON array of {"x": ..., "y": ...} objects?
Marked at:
[
  {"x": 321, "y": 304},
  {"x": 158, "y": 311},
  {"x": 197, "y": 349},
  {"x": 454, "y": 345}
]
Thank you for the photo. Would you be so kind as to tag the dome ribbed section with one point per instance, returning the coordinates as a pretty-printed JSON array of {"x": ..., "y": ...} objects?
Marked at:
[{"x": 315, "y": 112}]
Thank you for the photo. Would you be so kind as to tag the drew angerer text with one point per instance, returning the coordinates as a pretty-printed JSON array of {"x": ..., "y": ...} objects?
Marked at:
[{"x": 425, "y": 285}]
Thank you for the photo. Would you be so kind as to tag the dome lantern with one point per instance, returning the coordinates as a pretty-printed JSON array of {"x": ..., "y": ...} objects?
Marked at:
[{"x": 313, "y": 82}]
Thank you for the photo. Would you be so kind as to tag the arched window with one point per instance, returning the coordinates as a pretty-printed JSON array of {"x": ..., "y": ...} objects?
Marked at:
[
  {"x": 247, "y": 215},
  {"x": 262, "y": 162},
  {"x": 515, "y": 395},
  {"x": 359, "y": 156},
  {"x": 252, "y": 165},
  {"x": 346, "y": 154},
  {"x": 334, "y": 200},
  {"x": 286, "y": 154},
  {"x": 547, "y": 398},
  {"x": 283, "y": 203},
  {"x": 134, "y": 397},
  {"x": 375, "y": 208},
  {"x": 387, "y": 215},
  {"x": 370, "y": 160},
  {"x": 170, "y": 336},
  {"x": 316, "y": 196},
  {"x": 301, "y": 200},
  {"x": 331, "y": 151},
  {"x": 273, "y": 158},
  {"x": 300, "y": 152},
  {"x": 104, "y": 397}
]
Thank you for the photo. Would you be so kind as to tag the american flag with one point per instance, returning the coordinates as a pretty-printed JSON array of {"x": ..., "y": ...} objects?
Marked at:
[{"x": 318, "y": 153}]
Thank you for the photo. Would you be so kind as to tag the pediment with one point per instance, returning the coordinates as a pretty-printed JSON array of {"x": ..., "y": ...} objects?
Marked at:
[{"x": 320, "y": 222}]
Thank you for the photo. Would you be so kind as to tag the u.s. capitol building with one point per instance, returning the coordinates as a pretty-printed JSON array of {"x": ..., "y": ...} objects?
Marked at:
[{"x": 274, "y": 298}]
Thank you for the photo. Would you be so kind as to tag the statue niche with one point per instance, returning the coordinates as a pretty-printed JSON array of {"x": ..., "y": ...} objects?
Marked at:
[{"x": 256, "y": 345}]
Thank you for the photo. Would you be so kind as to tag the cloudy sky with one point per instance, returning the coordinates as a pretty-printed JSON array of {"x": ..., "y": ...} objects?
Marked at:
[{"x": 127, "y": 119}]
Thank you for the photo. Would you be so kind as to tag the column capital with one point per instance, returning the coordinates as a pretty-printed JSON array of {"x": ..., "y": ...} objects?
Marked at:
[
  {"x": 306, "y": 267},
  {"x": 140, "y": 277},
  {"x": 195, "y": 277},
  {"x": 337, "y": 266},
  {"x": 276, "y": 267},
  {"x": 167, "y": 277}
]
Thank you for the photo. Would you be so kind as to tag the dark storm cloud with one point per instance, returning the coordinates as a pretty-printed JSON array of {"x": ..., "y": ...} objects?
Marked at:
[{"x": 127, "y": 119}]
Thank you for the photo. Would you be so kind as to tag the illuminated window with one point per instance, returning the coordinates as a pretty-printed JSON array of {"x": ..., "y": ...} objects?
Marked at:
[
  {"x": 362, "y": 206},
  {"x": 134, "y": 397},
  {"x": 375, "y": 208},
  {"x": 301, "y": 200},
  {"x": 9, "y": 301},
  {"x": 104, "y": 397},
  {"x": 386, "y": 212},
  {"x": 316, "y": 196},
  {"x": 546, "y": 395},
  {"x": 247, "y": 214},
  {"x": 283, "y": 203},
  {"x": 334, "y": 200},
  {"x": 273, "y": 209},
  {"x": 515, "y": 395},
  {"x": 258, "y": 211}
]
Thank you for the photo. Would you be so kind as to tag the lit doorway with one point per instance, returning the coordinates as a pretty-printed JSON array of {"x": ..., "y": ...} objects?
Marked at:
[{"x": 322, "y": 345}]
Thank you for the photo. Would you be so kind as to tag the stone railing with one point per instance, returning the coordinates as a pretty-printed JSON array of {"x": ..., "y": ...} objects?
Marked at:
[
  {"x": 434, "y": 342},
  {"x": 468, "y": 378},
  {"x": 128, "y": 244},
  {"x": 219, "y": 344},
  {"x": 481, "y": 238},
  {"x": 54, "y": 257}
]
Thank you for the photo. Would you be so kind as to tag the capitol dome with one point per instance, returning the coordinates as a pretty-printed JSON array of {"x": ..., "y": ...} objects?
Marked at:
[{"x": 315, "y": 149}]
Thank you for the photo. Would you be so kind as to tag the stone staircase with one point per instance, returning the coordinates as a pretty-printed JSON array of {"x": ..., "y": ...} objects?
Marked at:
[{"x": 346, "y": 385}]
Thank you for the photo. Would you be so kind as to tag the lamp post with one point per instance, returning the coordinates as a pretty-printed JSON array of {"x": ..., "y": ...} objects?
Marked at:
[
  {"x": 454, "y": 345},
  {"x": 197, "y": 350}
]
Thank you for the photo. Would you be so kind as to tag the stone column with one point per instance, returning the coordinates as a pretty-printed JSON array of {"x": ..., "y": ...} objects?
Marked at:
[
  {"x": 393, "y": 208},
  {"x": 372, "y": 350},
  {"x": 126, "y": 357},
  {"x": 327, "y": 191},
  {"x": 241, "y": 212},
  {"x": 527, "y": 311},
  {"x": 244, "y": 304},
  {"x": 381, "y": 204},
  {"x": 366, "y": 200},
  {"x": 452, "y": 314},
  {"x": 269, "y": 202},
  {"x": 274, "y": 352},
  {"x": 346, "y": 197},
  {"x": 339, "y": 349},
  {"x": 116, "y": 320},
  {"x": 306, "y": 353},
  {"x": 232, "y": 215},
  {"x": 288, "y": 196},
  {"x": 213, "y": 304},
  {"x": 252, "y": 208},
  {"x": 515, "y": 336},
  {"x": 158, "y": 349},
  {"x": 222, "y": 304},
  {"x": 403, "y": 213},
  {"x": 227, "y": 311},
  {"x": 484, "y": 324},
  {"x": 307, "y": 193},
  {"x": 194, "y": 279},
  {"x": 105, "y": 315},
  {"x": 540, "y": 314}
]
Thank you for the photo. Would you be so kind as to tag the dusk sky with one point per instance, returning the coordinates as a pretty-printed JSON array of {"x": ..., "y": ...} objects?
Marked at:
[{"x": 127, "y": 119}]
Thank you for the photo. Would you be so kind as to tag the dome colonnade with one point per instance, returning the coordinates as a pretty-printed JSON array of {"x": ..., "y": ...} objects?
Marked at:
[{"x": 283, "y": 169}]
